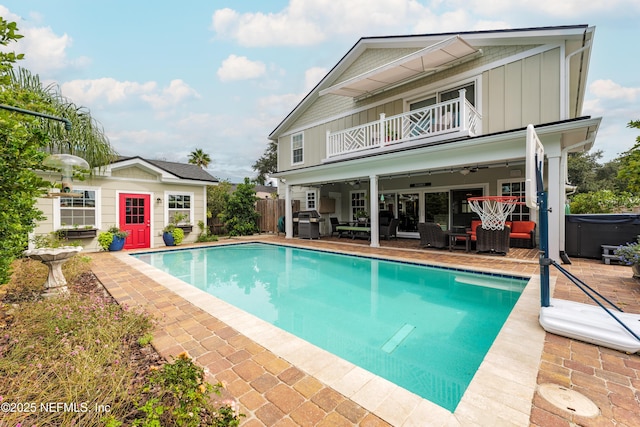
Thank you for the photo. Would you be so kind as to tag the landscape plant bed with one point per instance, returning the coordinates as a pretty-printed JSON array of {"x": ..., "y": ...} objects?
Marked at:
[{"x": 85, "y": 360}]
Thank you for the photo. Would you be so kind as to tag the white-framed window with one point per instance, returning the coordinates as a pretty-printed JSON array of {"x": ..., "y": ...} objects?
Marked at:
[
  {"x": 83, "y": 211},
  {"x": 358, "y": 203},
  {"x": 515, "y": 188},
  {"x": 297, "y": 148},
  {"x": 179, "y": 203},
  {"x": 312, "y": 198}
]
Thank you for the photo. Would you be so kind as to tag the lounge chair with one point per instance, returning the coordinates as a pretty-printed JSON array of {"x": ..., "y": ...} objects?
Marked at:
[
  {"x": 432, "y": 236},
  {"x": 334, "y": 224}
]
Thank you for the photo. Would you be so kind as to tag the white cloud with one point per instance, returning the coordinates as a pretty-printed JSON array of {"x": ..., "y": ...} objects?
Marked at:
[
  {"x": 310, "y": 22},
  {"x": 313, "y": 76},
  {"x": 175, "y": 93},
  {"x": 617, "y": 105},
  {"x": 111, "y": 91},
  {"x": 259, "y": 29},
  {"x": 305, "y": 22},
  {"x": 560, "y": 9},
  {"x": 612, "y": 90},
  {"x": 240, "y": 68},
  {"x": 45, "y": 52},
  {"x": 278, "y": 105},
  {"x": 87, "y": 92}
]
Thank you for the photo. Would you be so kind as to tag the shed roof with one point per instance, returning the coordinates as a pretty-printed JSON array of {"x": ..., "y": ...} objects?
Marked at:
[{"x": 181, "y": 170}]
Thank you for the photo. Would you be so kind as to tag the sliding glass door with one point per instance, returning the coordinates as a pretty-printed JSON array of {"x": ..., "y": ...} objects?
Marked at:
[
  {"x": 436, "y": 208},
  {"x": 408, "y": 212}
]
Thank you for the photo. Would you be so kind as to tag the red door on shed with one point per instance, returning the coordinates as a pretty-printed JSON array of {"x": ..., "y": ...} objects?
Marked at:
[{"x": 136, "y": 219}]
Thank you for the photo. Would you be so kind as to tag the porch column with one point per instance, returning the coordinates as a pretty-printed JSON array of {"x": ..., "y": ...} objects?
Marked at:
[
  {"x": 288, "y": 213},
  {"x": 373, "y": 210},
  {"x": 555, "y": 185}
]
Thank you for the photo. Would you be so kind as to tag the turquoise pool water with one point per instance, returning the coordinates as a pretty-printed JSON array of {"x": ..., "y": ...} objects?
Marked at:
[{"x": 426, "y": 329}]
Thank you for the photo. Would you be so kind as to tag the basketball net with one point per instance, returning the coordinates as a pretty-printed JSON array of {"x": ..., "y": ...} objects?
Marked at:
[{"x": 493, "y": 210}]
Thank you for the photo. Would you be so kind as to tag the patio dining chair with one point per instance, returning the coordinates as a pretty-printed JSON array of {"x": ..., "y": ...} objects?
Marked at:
[
  {"x": 389, "y": 230},
  {"x": 432, "y": 236}
]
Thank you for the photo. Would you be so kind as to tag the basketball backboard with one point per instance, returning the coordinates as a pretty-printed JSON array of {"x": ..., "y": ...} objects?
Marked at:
[{"x": 534, "y": 160}]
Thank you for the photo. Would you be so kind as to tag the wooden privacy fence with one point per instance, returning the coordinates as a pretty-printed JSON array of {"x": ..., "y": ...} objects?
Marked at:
[{"x": 270, "y": 210}]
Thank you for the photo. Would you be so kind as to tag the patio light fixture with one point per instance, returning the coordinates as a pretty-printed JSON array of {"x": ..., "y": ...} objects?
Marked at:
[
  {"x": 65, "y": 163},
  {"x": 62, "y": 162}
]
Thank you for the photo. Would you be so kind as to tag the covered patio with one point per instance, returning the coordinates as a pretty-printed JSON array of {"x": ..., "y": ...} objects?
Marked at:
[{"x": 426, "y": 179}]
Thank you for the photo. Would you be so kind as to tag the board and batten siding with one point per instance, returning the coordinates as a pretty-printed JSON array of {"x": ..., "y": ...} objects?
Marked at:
[
  {"x": 332, "y": 105},
  {"x": 522, "y": 92}
]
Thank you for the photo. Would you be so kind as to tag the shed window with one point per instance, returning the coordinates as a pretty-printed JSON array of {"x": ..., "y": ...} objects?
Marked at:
[
  {"x": 180, "y": 204},
  {"x": 78, "y": 211}
]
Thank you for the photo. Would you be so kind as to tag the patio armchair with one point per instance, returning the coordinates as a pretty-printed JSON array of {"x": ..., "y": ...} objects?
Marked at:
[
  {"x": 385, "y": 217},
  {"x": 432, "y": 236},
  {"x": 389, "y": 230},
  {"x": 494, "y": 241}
]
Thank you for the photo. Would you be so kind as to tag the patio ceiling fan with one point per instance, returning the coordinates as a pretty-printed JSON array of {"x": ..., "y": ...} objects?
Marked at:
[{"x": 472, "y": 169}]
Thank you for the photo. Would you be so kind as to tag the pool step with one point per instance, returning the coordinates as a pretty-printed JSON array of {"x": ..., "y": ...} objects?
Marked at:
[{"x": 397, "y": 338}]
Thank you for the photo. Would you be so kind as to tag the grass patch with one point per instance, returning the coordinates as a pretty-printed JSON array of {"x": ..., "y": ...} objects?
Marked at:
[{"x": 85, "y": 360}]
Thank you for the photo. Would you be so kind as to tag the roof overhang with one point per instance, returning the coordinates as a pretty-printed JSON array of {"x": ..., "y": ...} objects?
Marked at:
[{"x": 418, "y": 64}]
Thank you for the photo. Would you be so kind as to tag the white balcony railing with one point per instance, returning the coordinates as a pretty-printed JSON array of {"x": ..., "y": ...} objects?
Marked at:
[{"x": 455, "y": 116}]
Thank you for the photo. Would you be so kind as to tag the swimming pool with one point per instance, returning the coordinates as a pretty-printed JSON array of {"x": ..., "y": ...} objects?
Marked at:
[{"x": 425, "y": 329}]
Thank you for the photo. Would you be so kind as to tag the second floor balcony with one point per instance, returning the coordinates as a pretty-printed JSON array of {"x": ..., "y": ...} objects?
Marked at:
[{"x": 451, "y": 119}]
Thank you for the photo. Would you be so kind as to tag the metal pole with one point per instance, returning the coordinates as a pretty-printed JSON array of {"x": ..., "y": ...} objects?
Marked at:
[
  {"x": 543, "y": 219},
  {"x": 67, "y": 123}
]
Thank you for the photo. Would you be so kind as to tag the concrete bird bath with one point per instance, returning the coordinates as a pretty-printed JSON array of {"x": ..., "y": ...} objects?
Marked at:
[{"x": 53, "y": 258}]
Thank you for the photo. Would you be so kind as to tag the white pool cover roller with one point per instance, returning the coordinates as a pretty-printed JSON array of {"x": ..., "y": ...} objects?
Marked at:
[{"x": 592, "y": 324}]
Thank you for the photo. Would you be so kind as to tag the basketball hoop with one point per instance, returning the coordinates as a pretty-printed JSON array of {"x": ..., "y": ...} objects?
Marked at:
[{"x": 493, "y": 210}]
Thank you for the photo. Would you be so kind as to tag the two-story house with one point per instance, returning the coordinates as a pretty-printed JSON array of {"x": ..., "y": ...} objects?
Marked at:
[{"x": 417, "y": 124}]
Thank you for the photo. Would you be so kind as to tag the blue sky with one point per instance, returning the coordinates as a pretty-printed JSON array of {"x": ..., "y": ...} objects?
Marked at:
[{"x": 164, "y": 78}]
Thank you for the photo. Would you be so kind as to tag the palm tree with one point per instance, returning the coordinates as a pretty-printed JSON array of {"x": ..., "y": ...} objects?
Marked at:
[
  {"x": 86, "y": 138},
  {"x": 200, "y": 158}
]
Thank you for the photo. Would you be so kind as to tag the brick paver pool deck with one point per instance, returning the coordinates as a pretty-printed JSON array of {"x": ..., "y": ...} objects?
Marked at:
[{"x": 280, "y": 380}]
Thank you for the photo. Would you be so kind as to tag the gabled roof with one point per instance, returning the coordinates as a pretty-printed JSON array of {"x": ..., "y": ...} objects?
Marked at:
[
  {"x": 535, "y": 35},
  {"x": 180, "y": 170}
]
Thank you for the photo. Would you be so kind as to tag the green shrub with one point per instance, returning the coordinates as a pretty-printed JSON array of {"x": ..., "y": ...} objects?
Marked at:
[
  {"x": 240, "y": 216},
  {"x": 603, "y": 201},
  {"x": 179, "y": 395}
]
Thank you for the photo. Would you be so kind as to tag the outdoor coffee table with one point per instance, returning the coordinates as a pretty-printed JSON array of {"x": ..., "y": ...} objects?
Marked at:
[
  {"x": 352, "y": 230},
  {"x": 456, "y": 237}
]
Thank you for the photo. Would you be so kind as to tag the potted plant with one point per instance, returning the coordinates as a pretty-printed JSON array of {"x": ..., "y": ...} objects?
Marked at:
[
  {"x": 629, "y": 254},
  {"x": 113, "y": 239},
  {"x": 172, "y": 235},
  {"x": 181, "y": 220},
  {"x": 362, "y": 215}
]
